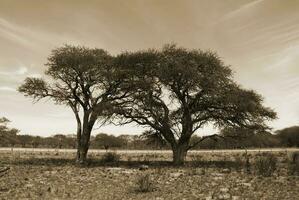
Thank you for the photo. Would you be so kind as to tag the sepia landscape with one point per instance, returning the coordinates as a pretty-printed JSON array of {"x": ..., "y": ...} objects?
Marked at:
[{"x": 154, "y": 100}]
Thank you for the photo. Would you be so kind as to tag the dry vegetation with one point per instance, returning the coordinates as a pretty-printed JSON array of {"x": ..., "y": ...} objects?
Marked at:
[{"x": 218, "y": 175}]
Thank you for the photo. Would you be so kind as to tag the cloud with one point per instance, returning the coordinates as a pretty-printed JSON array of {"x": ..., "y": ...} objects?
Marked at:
[
  {"x": 20, "y": 71},
  {"x": 14, "y": 33},
  {"x": 244, "y": 8},
  {"x": 36, "y": 75},
  {"x": 32, "y": 38},
  {"x": 7, "y": 89}
]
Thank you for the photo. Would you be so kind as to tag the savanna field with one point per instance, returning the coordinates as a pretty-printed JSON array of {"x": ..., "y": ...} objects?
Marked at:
[{"x": 52, "y": 174}]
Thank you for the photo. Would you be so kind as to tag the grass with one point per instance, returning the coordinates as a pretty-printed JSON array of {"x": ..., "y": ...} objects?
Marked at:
[
  {"x": 204, "y": 174},
  {"x": 110, "y": 157},
  {"x": 144, "y": 183},
  {"x": 266, "y": 165},
  {"x": 293, "y": 164}
]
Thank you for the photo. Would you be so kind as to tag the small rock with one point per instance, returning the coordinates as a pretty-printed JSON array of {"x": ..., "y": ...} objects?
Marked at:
[
  {"x": 217, "y": 178},
  {"x": 53, "y": 172},
  {"x": 236, "y": 198},
  {"x": 47, "y": 172},
  {"x": 247, "y": 184},
  {"x": 143, "y": 167},
  {"x": 200, "y": 171},
  {"x": 209, "y": 198},
  {"x": 225, "y": 190},
  {"x": 127, "y": 171},
  {"x": 226, "y": 171},
  {"x": 213, "y": 184},
  {"x": 176, "y": 174},
  {"x": 114, "y": 169},
  {"x": 29, "y": 185},
  {"x": 217, "y": 174},
  {"x": 224, "y": 196}
]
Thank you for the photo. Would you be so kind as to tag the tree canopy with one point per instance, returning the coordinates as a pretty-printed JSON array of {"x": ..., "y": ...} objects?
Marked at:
[
  {"x": 289, "y": 136},
  {"x": 174, "y": 91},
  {"x": 82, "y": 78},
  {"x": 178, "y": 91},
  {"x": 7, "y": 135}
]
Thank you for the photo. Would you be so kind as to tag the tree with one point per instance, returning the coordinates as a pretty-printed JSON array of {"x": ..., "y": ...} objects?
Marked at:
[
  {"x": 107, "y": 141},
  {"x": 289, "y": 136},
  {"x": 83, "y": 79},
  {"x": 59, "y": 140},
  {"x": 178, "y": 91},
  {"x": 25, "y": 140},
  {"x": 244, "y": 138},
  {"x": 36, "y": 141},
  {"x": 8, "y": 135},
  {"x": 153, "y": 138}
]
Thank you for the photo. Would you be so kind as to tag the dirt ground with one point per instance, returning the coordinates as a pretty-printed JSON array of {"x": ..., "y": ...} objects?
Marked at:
[{"x": 208, "y": 176}]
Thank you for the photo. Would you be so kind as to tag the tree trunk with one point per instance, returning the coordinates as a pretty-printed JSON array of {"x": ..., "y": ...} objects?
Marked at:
[
  {"x": 179, "y": 153},
  {"x": 84, "y": 139},
  {"x": 82, "y": 155},
  {"x": 83, "y": 149},
  {"x": 79, "y": 132}
]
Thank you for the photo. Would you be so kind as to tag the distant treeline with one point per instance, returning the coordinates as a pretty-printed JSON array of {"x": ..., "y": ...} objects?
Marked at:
[{"x": 228, "y": 139}]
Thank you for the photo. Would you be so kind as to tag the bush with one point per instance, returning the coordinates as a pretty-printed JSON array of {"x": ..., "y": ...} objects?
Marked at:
[
  {"x": 293, "y": 169},
  {"x": 266, "y": 165},
  {"x": 293, "y": 163},
  {"x": 144, "y": 183},
  {"x": 110, "y": 157},
  {"x": 293, "y": 157},
  {"x": 196, "y": 160},
  {"x": 130, "y": 161},
  {"x": 238, "y": 163}
]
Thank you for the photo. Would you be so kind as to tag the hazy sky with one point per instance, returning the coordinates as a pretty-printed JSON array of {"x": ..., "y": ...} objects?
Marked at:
[{"x": 258, "y": 38}]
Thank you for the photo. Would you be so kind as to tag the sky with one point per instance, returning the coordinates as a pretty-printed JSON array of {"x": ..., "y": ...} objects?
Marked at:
[{"x": 259, "y": 39}]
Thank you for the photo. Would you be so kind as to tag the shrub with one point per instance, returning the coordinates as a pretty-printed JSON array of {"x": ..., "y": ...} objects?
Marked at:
[
  {"x": 130, "y": 161},
  {"x": 110, "y": 157},
  {"x": 238, "y": 163},
  {"x": 293, "y": 157},
  {"x": 265, "y": 165},
  {"x": 196, "y": 160},
  {"x": 293, "y": 169},
  {"x": 293, "y": 163},
  {"x": 247, "y": 164},
  {"x": 144, "y": 183}
]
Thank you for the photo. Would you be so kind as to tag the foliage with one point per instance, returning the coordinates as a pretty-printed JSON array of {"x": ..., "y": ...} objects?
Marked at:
[
  {"x": 144, "y": 183},
  {"x": 174, "y": 91},
  {"x": 293, "y": 163},
  {"x": 133, "y": 142},
  {"x": 103, "y": 140},
  {"x": 289, "y": 136},
  {"x": 8, "y": 135},
  {"x": 110, "y": 157},
  {"x": 177, "y": 91},
  {"x": 265, "y": 165},
  {"x": 83, "y": 79},
  {"x": 154, "y": 139}
]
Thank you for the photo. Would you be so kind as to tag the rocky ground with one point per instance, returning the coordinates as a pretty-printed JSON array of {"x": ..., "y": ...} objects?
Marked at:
[{"x": 36, "y": 179}]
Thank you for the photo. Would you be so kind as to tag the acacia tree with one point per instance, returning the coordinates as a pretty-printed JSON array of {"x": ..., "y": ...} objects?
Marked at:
[
  {"x": 289, "y": 136},
  {"x": 178, "y": 91},
  {"x": 83, "y": 79},
  {"x": 7, "y": 135},
  {"x": 153, "y": 138}
]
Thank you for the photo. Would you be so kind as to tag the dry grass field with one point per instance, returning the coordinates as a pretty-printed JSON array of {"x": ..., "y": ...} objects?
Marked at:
[{"x": 50, "y": 174}]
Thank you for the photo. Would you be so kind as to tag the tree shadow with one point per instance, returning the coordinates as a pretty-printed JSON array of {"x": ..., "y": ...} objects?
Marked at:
[{"x": 60, "y": 162}]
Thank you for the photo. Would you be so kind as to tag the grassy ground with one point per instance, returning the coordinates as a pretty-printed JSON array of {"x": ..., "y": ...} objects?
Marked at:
[{"x": 206, "y": 175}]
